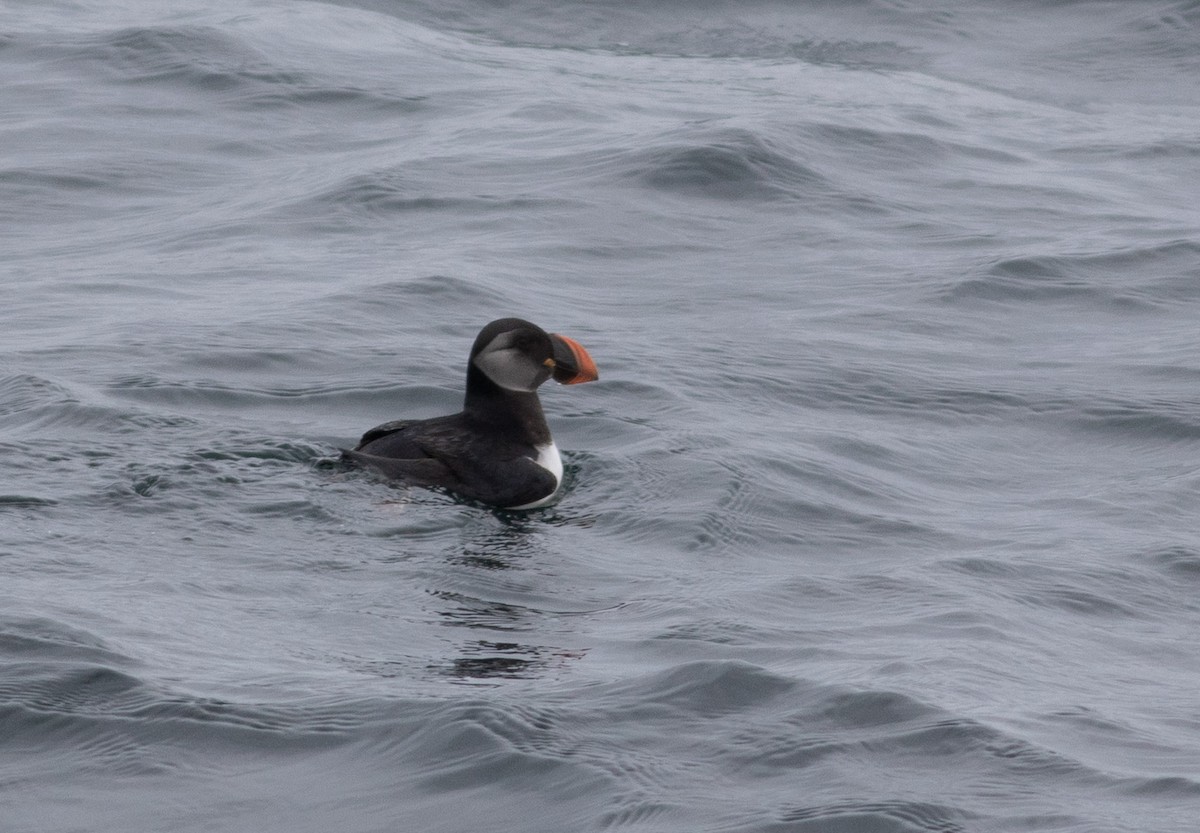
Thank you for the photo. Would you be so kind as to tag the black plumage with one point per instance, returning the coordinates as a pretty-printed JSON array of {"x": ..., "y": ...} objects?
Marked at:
[{"x": 498, "y": 449}]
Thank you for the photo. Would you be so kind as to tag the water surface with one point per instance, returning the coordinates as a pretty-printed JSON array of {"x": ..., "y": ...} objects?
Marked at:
[{"x": 882, "y": 517}]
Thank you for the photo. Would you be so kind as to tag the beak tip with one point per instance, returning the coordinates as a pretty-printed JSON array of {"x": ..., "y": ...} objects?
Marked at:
[{"x": 579, "y": 368}]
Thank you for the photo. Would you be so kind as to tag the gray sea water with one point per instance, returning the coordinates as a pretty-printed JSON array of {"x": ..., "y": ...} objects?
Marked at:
[{"x": 882, "y": 518}]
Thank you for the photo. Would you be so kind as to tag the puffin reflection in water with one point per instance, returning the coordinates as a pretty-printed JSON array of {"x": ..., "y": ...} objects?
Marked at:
[{"x": 498, "y": 449}]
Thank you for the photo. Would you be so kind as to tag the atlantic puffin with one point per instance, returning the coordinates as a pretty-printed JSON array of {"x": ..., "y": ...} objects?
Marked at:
[{"x": 498, "y": 449}]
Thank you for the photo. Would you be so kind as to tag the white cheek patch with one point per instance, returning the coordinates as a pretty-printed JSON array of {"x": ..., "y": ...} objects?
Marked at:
[{"x": 509, "y": 369}]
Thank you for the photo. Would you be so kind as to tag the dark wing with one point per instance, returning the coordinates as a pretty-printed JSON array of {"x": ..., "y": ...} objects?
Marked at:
[
  {"x": 418, "y": 451},
  {"x": 385, "y": 429},
  {"x": 417, "y": 472},
  {"x": 410, "y": 439},
  {"x": 450, "y": 453},
  {"x": 521, "y": 481}
]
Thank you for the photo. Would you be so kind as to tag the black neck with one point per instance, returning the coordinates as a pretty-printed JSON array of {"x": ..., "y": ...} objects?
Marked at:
[{"x": 514, "y": 412}]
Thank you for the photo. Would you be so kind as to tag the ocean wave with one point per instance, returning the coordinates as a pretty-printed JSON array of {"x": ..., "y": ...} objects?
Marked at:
[
  {"x": 739, "y": 164},
  {"x": 642, "y": 750},
  {"x": 1181, "y": 562},
  {"x": 23, "y": 392},
  {"x": 1142, "y": 278},
  {"x": 386, "y": 193},
  {"x": 893, "y": 149},
  {"x": 35, "y": 406},
  {"x": 879, "y": 816},
  {"x": 734, "y": 165},
  {"x": 1151, "y": 420}
]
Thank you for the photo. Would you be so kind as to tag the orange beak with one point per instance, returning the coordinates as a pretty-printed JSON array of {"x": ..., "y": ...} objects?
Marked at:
[{"x": 572, "y": 364}]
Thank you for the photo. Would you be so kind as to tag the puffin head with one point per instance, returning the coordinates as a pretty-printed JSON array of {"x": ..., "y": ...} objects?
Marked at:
[{"x": 519, "y": 356}]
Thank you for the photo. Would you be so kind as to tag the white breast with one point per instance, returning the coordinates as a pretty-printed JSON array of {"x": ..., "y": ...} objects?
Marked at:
[{"x": 549, "y": 459}]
